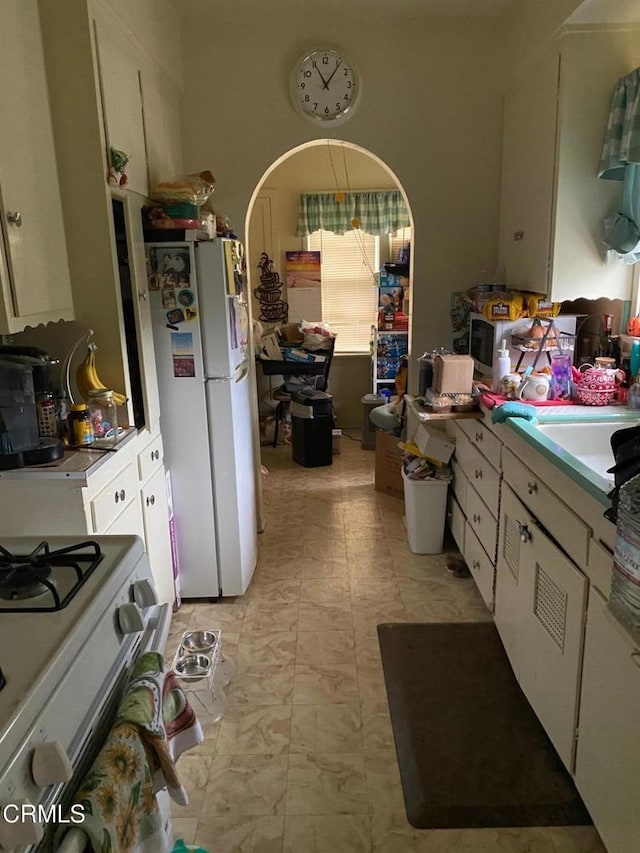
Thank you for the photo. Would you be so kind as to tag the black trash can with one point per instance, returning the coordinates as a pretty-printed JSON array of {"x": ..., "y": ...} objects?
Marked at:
[{"x": 311, "y": 427}]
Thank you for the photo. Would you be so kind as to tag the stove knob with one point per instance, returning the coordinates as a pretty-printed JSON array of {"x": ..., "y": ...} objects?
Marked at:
[
  {"x": 144, "y": 594},
  {"x": 50, "y": 764},
  {"x": 17, "y": 825},
  {"x": 130, "y": 618}
]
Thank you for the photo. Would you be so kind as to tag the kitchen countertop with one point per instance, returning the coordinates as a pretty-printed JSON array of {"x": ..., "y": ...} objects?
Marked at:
[
  {"x": 580, "y": 473},
  {"x": 74, "y": 465}
]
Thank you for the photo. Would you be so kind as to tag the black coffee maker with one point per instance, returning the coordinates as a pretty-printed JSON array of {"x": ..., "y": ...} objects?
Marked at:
[{"x": 24, "y": 375}]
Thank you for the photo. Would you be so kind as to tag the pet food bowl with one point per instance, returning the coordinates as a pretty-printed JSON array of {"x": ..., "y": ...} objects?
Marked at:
[
  {"x": 198, "y": 641},
  {"x": 193, "y": 667}
]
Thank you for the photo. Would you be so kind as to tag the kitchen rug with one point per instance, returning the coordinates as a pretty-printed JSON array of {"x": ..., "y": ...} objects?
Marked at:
[{"x": 471, "y": 750}]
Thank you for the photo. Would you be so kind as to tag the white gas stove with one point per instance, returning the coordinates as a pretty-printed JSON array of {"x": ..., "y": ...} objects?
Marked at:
[{"x": 74, "y": 615}]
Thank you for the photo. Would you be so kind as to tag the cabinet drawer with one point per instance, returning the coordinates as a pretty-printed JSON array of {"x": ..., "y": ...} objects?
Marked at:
[
  {"x": 482, "y": 522},
  {"x": 483, "y": 477},
  {"x": 459, "y": 485},
  {"x": 150, "y": 459},
  {"x": 481, "y": 436},
  {"x": 455, "y": 518},
  {"x": 566, "y": 528},
  {"x": 600, "y": 566},
  {"x": 110, "y": 502},
  {"x": 479, "y": 565}
]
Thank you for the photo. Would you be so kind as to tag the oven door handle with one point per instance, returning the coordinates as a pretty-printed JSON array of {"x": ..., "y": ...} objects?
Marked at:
[{"x": 155, "y": 638}]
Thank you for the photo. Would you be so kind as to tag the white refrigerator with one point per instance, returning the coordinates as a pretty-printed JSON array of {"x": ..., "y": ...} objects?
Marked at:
[{"x": 198, "y": 295}]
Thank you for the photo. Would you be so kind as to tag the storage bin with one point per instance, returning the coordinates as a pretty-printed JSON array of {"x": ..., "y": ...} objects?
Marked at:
[
  {"x": 369, "y": 403},
  {"x": 425, "y": 507}
]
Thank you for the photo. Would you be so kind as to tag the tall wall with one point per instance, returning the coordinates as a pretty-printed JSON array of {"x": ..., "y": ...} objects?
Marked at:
[{"x": 431, "y": 109}]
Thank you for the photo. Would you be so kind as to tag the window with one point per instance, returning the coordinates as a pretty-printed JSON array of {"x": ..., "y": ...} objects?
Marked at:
[{"x": 349, "y": 295}]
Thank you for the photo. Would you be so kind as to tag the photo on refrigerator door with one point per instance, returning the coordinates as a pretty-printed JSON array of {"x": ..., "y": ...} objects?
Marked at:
[
  {"x": 169, "y": 268},
  {"x": 184, "y": 365}
]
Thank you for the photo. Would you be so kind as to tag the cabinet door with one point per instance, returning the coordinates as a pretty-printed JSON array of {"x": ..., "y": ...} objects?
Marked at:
[
  {"x": 35, "y": 280},
  {"x": 608, "y": 754},
  {"x": 528, "y": 171},
  {"x": 514, "y": 521},
  {"x": 553, "y": 604},
  {"x": 122, "y": 101},
  {"x": 156, "y": 529}
]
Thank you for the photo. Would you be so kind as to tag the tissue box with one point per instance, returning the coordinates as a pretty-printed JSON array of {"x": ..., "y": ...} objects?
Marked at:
[{"x": 452, "y": 374}]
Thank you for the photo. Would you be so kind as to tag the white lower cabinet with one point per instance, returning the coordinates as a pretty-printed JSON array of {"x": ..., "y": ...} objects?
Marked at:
[
  {"x": 540, "y": 605},
  {"x": 129, "y": 522},
  {"x": 608, "y": 754},
  {"x": 155, "y": 512}
]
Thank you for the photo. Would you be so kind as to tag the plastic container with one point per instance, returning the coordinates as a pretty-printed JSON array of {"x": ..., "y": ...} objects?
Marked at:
[
  {"x": 425, "y": 507},
  {"x": 624, "y": 597},
  {"x": 80, "y": 425},
  {"x": 369, "y": 403},
  {"x": 47, "y": 413},
  {"x": 104, "y": 416}
]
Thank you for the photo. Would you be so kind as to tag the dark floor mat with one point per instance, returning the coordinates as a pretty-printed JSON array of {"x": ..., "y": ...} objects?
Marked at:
[{"x": 471, "y": 751}]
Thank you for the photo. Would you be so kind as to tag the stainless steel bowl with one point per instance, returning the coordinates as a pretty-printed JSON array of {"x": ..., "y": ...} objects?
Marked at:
[
  {"x": 198, "y": 641},
  {"x": 193, "y": 667}
]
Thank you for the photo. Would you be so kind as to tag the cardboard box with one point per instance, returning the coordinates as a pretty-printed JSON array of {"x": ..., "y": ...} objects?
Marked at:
[
  {"x": 433, "y": 443},
  {"x": 388, "y": 471},
  {"x": 452, "y": 374}
]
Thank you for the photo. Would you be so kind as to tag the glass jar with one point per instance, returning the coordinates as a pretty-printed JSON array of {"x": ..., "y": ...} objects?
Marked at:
[
  {"x": 104, "y": 417},
  {"x": 80, "y": 425}
]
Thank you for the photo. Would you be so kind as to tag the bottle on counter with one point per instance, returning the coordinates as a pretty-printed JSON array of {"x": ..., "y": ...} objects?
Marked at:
[
  {"x": 104, "y": 417},
  {"x": 502, "y": 366},
  {"x": 47, "y": 414},
  {"x": 80, "y": 425}
]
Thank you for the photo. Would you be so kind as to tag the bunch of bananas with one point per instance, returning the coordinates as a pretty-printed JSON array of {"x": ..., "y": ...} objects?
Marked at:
[{"x": 87, "y": 378}]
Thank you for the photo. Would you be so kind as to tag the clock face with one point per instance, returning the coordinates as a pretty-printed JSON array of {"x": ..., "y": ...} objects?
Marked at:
[{"x": 325, "y": 86}]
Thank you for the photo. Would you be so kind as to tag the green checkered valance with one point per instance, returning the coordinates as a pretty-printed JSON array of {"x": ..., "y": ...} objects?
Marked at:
[{"x": 378, "y": 212}]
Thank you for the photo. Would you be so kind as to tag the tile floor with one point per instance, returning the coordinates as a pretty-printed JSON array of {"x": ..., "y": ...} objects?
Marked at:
[{"x": 303, "y": 759}]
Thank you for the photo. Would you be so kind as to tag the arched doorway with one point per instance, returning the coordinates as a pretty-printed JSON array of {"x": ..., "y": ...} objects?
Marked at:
[{"x": 320, "y": 165}]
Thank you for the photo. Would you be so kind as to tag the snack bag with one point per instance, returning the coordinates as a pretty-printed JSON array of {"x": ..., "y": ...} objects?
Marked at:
[
  {"x": 504, "y": 306},
  {"x": 540, "y": 306}
]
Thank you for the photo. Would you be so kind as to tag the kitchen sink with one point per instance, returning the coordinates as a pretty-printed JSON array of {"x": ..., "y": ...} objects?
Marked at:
[{"x": 589, "y": 443}]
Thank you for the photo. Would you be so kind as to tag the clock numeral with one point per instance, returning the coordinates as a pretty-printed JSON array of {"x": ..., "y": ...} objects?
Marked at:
[
  {"x": 307, "y": 99},
  {"x": 315, "y": 106},
  {"x": 338, "y": 106},
  {"x": 349, "y": 84},
  {"x": 346, "y": 72},
  {"x": 308, "y": 73},
  {"x": 347, "y": 97},
  {"x": 325, "y": 60},
  {"x": 302, "y": 85},
  {"x": 326, "y": 111}
]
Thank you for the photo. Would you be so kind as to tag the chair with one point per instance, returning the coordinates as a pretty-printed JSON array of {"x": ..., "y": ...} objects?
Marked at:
[{"x": 318, "y": 373}]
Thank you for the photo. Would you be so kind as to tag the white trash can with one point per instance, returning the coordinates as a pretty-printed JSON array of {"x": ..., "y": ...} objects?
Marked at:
[{"x": 425, "y": 506}]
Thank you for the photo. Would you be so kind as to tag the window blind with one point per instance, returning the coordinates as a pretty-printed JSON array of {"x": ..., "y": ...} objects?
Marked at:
[{"x": 349, "y": 295}]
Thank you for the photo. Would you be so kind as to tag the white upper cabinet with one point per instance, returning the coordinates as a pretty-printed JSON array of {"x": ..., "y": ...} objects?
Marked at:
[
  {"x": 122, "y": 100},
  {"x": 161, "y": 127},
  {"x": 34, "y": 271},
  {"x": 553, "y": 204}
]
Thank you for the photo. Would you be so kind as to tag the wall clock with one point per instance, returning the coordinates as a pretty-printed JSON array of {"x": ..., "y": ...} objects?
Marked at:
[{"x": 325, "y": 86}]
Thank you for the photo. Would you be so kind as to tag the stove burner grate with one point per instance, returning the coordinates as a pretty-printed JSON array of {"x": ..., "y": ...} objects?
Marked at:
[{"x": 28, "y": 577}]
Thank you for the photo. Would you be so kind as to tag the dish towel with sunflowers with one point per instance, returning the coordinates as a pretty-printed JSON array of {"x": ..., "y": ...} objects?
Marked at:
[{"x": 154, "y": 725}]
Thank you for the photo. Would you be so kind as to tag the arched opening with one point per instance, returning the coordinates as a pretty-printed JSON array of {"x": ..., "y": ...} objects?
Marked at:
[{"x": 334, "y": 167}]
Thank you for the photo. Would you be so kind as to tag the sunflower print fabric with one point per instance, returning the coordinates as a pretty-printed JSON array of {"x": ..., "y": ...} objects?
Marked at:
[{"x": 154, "y": 725}]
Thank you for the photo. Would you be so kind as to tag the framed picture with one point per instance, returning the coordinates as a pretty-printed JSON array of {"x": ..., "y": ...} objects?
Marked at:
[{"x": 169, "y": 268}]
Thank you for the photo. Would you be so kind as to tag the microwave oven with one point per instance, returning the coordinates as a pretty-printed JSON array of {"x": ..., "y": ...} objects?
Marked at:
[{"x": 486, "y": 336}]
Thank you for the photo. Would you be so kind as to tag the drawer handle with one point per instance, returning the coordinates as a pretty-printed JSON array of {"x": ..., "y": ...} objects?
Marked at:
[
  {"x": 476, "y": 564},
  {"x": 14, "y": 217},
  {"x": 525, "y": 536},
  {"x": 477, "y": 474},
  {"x": 478, "y": 436},
  {"x": 151, "y": 500},
  {"x": 123, "y": 494},
  {"x": 532, "y": 488},
  {"x": 117, "y": 497},
  {"x": 518, "y": 235},
  {"x": 476, "y": 518},
  {"x": 155, "y": 455}
]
